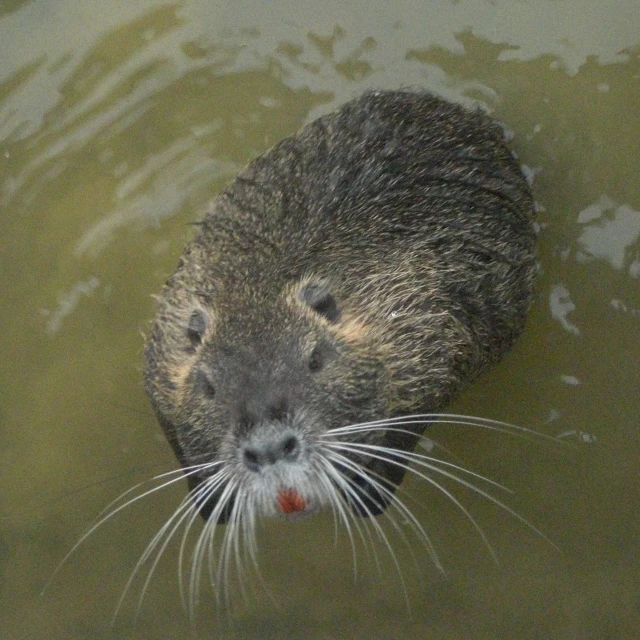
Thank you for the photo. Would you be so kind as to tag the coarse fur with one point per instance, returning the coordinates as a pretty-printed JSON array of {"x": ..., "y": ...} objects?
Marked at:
[{"x": 356, "y": 275}]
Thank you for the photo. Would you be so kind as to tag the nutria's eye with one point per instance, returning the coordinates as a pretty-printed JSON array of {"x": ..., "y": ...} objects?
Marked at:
[
  {"x": 205, "y": 386},
  {"x": 316, "y": 361},
  {"x": 196, "y": 327},
  {"x": 321, "y": 300}
]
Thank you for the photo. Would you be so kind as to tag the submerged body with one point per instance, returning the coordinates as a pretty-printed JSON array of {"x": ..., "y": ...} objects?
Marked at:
[{"x": 360, "y": 271}]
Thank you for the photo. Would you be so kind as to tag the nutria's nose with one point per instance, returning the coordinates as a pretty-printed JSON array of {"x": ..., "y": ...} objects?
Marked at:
[{"x": 269, "y": 451}]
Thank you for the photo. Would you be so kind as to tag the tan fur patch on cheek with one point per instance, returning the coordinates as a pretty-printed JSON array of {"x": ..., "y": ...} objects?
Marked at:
[
  {"x": 179, "y": 374},
  {"x": 351, "y": 330}
]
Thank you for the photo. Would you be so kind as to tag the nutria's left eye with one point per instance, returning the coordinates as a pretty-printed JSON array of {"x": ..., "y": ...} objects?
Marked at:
[{"x": 316, "y": 361}]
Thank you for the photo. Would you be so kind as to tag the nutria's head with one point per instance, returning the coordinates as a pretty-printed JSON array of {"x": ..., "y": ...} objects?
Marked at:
[{"x": 248, "y": 375}]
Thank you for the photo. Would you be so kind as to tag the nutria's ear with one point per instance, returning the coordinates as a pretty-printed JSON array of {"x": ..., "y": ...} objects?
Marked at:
[
  {"x": 196, "y": 327},
  {"x": 321, "y": 300}
]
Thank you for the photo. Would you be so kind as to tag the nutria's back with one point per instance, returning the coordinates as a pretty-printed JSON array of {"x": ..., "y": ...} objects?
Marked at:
[{"x": 362, "y": 269}]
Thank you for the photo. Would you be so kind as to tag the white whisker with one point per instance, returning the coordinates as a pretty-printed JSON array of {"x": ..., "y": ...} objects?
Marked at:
[
  {"x": 348, "y": 486},
  {"x": 110, "y": 511},
  {"x": 206, "y": 537},
  {"x": 393, "y": 455},
  {"x": 166, "y": 531},
  {"x": 200, "y": 496},
  {"x": 427, "y": 419},
  {"x": 422, "y": 535},
  {"x": 447, "y": 493},
  {"x": 420, "y": 460},
  {"x": 339, "y": 481},
  {"x": 339, "y": 513}
]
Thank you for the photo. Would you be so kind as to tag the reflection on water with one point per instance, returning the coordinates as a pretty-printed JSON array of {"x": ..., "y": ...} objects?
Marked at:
[
  {"x": 561, "y": 306},
  {"x": 67, "y": 303},
  {"x": 120, "y": 121},
  {"x": 611, "y": 232}
]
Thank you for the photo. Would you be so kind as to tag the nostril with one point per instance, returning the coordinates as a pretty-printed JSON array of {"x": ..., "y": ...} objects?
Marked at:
[
  {"x": 252, "y": 459},
  {"x": 290, "y": 448}
]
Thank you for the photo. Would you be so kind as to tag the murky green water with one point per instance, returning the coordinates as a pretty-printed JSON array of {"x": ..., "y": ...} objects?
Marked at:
[{"x": 120, "y": 120}]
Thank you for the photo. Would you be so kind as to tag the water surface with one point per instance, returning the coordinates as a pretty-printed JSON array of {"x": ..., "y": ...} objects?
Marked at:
[{"x": 119, "y": 121}]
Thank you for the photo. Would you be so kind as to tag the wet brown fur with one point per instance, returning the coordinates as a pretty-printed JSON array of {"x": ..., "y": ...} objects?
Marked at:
[{"x": 412, "y": 213}]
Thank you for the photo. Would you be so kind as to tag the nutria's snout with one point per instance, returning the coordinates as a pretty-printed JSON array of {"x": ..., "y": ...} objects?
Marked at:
[
  {"x": 278, "y": 456},
  {"x": 349, "y": 281}
]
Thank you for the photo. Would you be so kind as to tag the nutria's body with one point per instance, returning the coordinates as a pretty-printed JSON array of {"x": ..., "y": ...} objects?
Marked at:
[{"x": 363, "y": 269}]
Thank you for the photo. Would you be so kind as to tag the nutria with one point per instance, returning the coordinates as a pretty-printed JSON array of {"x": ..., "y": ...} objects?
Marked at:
[{"x": 353, "y": 278}]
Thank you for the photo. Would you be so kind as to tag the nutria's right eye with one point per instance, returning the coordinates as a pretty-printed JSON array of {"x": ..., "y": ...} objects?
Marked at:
[
  {"x": 316, "y": 361},
  {"x": 205, "y": 386},
  {"x": 196, "y": 327}
]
